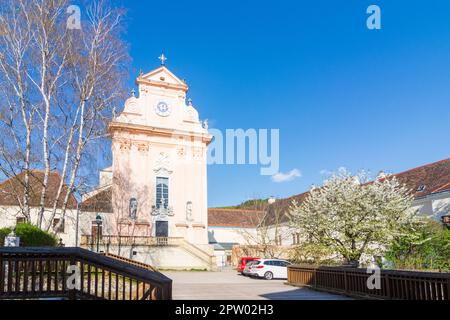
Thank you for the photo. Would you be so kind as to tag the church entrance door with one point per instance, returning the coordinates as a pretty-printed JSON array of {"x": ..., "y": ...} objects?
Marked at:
[{"x": 162, "y": 229}]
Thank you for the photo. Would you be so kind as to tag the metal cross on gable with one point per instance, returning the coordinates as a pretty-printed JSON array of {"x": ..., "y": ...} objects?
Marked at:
[{"x": 163, "y": 59}]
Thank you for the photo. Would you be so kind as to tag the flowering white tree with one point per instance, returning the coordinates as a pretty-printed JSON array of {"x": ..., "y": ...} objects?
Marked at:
[{"x": 351, "y": 216}]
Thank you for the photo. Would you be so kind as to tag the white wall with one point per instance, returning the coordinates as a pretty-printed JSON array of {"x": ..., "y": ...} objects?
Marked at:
[
  {"x": 170, "y": 257},
  {"x": 436, "y": 205},
  {"x": 9, "y": 215},
  {"x": 231, "y": 235},
  {"x": 246, "y": 236},
  {"x": 441, "y": 205},
  {"x": 284, "y": 231},
  {"x": 221, "y": 258}
]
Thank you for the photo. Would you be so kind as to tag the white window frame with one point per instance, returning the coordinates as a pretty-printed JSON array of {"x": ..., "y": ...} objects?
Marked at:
[{"x": 168, "y": 189}]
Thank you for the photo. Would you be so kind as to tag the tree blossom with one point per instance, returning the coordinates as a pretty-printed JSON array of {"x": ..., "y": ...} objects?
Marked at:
[{"x": 354, "y": 217}]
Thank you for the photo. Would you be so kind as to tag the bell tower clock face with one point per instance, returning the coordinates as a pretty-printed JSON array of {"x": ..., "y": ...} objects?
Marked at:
[{"x": 163, "y": 109}]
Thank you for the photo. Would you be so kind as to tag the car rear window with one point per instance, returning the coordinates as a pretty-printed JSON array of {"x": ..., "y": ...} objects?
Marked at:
[
  {"x": 276, "y": 263},
  {"x": 255, "y": 262}
]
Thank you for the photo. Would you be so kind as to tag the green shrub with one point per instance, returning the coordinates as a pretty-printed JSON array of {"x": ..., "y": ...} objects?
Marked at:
[
  {"x": 3, "y": 234},
  {"x": 32, "y": 236},
  {"x": 426, "y": 249}
]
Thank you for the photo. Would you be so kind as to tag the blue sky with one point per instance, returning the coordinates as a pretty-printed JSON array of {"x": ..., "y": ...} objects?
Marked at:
[{"x": 340, "y": 94}]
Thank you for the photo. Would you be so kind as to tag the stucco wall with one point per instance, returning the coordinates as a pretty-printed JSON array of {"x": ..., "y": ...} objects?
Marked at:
[
  {"x": 170, "y": 257},
  {"x": 441, "y": 205},
  {"x": 231, "y": 235},
  {"x": 435, "y": 205},
  {"x": 9, "y": 215}
]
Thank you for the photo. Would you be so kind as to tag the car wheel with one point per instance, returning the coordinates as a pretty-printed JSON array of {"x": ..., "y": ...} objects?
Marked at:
[{"x": 268, "y": 275}]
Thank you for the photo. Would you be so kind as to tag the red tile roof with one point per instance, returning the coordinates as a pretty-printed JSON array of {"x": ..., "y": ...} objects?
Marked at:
[
  {"x": 12, "y": 190},
  {"x": 445, "y": 187},
  {"x": 434, "y": 178},
  {"x": 234, "y": 218},
  {"x": 100, "y": 202}
]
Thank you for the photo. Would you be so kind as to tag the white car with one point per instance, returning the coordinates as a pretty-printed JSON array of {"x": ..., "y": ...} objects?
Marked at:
[{"x": 268, "y": 269}]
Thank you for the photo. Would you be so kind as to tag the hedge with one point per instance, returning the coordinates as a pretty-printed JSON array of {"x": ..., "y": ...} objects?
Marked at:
[
  {"x": 3, "y": 233},
  {"x": 30, "y": 236}
]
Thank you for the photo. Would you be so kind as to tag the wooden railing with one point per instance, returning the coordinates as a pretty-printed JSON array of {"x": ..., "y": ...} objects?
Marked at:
[
  {"x": 394, "y": 284},
  {"x": 132, "y": 262},
  {"x": 37, "y": 273}
]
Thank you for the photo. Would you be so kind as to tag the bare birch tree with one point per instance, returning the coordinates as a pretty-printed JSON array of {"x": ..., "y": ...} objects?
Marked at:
[
  {"x": 18, "y": 108},
  {"x": 59, "y": 87},
  {"x": 265, "y": 240},
  {"x": 97, "y": 62}
]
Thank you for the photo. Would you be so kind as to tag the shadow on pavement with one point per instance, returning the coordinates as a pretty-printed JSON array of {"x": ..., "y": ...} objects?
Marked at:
[{"x": 303, "y": 294}]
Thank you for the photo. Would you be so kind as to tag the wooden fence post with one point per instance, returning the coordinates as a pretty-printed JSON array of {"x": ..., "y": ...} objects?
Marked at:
[
  {"x": 345, "y": 281},
  {"x": 388, "y": 286},
  {"x": 315, "y": 278},
  {"x": 448, "y": 291}
]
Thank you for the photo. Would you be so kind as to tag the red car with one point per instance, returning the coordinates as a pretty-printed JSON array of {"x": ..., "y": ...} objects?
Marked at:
[{"x": 244, "y": 261}]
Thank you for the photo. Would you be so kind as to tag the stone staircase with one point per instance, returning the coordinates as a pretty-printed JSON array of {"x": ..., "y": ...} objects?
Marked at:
[{"x": 208, "y": 258}]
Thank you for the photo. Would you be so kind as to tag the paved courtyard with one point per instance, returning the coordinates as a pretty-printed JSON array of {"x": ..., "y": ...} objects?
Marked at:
[{"x": 228, "y": 285}]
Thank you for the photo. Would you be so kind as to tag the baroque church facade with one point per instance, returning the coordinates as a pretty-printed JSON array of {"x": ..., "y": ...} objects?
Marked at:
[
  {"x": 157, "y": 184},
  {"x": 159, "y": 171}
]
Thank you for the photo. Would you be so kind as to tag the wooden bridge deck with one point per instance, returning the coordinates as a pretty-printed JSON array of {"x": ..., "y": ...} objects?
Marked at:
[{"x": 228, "y": 285}]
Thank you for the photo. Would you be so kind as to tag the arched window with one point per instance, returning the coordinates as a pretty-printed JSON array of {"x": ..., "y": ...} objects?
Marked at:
[{"x": 162, "y": 192}]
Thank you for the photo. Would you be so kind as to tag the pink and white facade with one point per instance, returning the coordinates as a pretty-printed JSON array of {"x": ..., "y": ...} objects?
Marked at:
[{"x": 159, "y": 171}]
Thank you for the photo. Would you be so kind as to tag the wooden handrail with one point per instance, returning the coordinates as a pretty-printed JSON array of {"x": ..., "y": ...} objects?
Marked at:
[
  {"x": 129, "y": 261},
  {"x": 394, "y": 284},
  {"x": 27, "y": 273}
]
